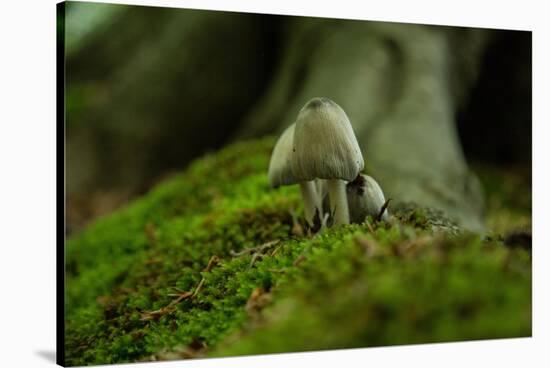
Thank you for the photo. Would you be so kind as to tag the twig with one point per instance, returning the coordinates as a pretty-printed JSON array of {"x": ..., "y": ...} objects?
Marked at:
[
  {"x": 199, "y": 287},
  {"x": 277, "y": 270},
  {"x": 383, "y": 209},
  {"x": 211, "y": 263},
  {"x": 147, "y": 316},
  {"x": 181, "y": 295},
  {"x": 275, "y": 250},
  {"x": 179, "y": 291},
  {"x": 255, "y": 249},
  {"x": 255, "y": 256}
]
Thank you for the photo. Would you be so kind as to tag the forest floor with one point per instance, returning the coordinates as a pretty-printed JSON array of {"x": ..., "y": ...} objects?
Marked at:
[{"x": 212, "y": 262}]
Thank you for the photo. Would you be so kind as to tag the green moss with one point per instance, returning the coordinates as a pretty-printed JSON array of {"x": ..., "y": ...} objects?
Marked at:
[{"x": 271, "y": 288}]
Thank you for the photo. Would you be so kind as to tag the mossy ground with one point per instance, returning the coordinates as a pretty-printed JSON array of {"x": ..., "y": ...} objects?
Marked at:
[{"x": 213, "y": 262}]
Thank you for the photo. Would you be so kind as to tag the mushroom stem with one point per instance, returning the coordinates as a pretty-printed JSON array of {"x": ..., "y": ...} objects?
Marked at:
[
  {"x": 309, "y": 194},
  {"x": 338, "y": 201}
]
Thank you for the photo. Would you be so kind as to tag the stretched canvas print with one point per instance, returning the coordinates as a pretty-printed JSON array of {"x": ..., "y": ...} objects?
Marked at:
[{"x": 244, "y": 184}]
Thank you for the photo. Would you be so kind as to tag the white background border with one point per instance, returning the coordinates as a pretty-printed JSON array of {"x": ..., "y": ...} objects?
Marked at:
[{"x": 27, "y": 180}]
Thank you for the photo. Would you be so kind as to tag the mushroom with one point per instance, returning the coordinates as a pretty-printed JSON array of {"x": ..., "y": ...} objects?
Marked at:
[
  {"x": 325, "y": 147},
  {"x": 365, "y": 197},
  {"x": 280, "y": 173}
]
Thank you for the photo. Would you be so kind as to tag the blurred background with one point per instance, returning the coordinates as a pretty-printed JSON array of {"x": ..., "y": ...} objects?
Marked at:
[{"x": 149, "y": 89}]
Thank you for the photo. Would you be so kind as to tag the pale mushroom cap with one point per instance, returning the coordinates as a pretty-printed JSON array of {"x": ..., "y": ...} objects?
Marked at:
[
  {"x": 374, "y": 192},
  {"x": 365, "y": 197},
  {"x": 324, "y": 143},
  {"x": 280, "y": 171}
]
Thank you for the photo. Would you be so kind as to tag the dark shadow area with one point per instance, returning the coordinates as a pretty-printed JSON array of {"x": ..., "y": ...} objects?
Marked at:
[{"x": 495, "y": 124}]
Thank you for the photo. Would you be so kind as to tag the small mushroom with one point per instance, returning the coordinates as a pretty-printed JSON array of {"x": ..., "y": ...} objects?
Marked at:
[
  {"x": 280, "y": 173},
  {"x": 365, "y": 197},
  {"x": 325, "y": 147}
]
